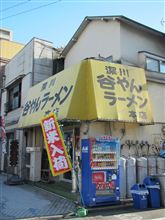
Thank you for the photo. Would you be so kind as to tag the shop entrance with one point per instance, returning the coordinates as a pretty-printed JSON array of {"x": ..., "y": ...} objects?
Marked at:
[
  {"x": 68, "y": 139},
  {"x": 45, "y": 169}
]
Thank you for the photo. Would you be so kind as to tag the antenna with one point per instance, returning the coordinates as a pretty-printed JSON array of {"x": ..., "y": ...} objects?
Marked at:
[{"x": 163, "y": 23}]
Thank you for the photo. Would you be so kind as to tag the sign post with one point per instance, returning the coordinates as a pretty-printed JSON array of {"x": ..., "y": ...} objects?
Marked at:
[
  {"x": 56, "y": 150},
  {"x": 3, "y": 142}
]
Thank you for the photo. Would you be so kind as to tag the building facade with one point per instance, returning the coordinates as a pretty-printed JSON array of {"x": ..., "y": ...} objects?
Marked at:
[
  {"x": 8, "y": 49},
  {"x": 115, "y": 39},
  {"x": 31, "y": 65},
  {"x": 121, "y": 40}
]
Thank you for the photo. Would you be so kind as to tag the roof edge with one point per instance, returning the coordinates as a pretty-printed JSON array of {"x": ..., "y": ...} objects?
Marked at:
[{"x": 88, "y": 19}]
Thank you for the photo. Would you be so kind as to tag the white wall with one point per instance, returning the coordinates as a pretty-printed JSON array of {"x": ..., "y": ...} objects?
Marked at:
[
  {"x": 3, "y": 101},
  {"x": 26, "y": 84},
  {"x": 21, "y": 64},
  {"x": 157, "y": 97},
  {"x": 135, "y": 132},
  {"x": 99, "y": 37},
  {"x": 36, "y": 57},
  {"x": 134, "y": 40},
  {"x": 35, "y": 63}
]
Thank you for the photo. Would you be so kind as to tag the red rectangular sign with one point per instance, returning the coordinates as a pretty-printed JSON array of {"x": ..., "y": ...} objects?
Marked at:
[
  {"x": 98, "y": 177},
  {"x": 56, "y": 150}
]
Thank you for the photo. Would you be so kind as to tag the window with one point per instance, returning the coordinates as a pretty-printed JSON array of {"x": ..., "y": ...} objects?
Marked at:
[
  {"x": 155, "y": 65},
  {"x": 152, "y": 64},
  {"x": 162, "y": 66},
  {"x": 15, "y": 97}
]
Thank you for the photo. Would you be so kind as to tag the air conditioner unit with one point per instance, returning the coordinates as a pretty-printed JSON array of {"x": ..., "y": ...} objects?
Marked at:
[{"x": 32, "y": 149}]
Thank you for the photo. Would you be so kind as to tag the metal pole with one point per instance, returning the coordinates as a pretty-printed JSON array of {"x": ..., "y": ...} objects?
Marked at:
[{"x": 74, "y": 181}]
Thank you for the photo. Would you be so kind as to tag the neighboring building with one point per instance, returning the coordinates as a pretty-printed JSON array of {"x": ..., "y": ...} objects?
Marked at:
[
  {"x": 6, "y": 34},
  {"x": 8, "y": 49},
  {"x": 30, "y": 66}
]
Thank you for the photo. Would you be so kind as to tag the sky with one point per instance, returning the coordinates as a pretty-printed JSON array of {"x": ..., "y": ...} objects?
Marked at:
[{"x": 57, "y": 20}]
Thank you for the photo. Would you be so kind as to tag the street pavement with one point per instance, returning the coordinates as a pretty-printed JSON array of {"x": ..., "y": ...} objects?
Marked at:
[
  {"x": 26, "y": 201},
  {"x": 127, "y": 213},
  {"x": 29, "y": 202}
]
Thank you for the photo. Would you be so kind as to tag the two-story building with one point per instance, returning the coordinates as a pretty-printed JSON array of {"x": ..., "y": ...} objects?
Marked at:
[
  {"x": 28, "y": 67},
  {"x": 118, "y": 40},
  {"x": 121, "y": 40}
]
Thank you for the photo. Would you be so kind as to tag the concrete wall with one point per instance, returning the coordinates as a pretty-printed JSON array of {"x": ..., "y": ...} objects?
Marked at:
[
  {"x": 35, "y": 58},
  {"x": 157, "y": 97},
  {"x": 21, "y": 64},
  {"x": 135, "y": 132},
  {"x": 134, "y": 40},
  {"x": 43, "y": 61},
  {"x": 99, "y": 37}
]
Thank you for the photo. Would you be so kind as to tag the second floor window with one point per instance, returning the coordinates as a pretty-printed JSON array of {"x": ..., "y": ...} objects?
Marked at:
[
  {"x": 162, "y": 66},
  {"x": 155, "y": 65},
  {"x": 14, "y": 97}
]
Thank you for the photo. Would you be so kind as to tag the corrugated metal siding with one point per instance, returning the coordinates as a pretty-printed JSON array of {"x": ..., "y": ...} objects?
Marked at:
[{"x": 43, "y": 61}]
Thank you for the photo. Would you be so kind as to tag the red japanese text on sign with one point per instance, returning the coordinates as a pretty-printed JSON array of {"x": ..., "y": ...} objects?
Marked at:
[{"x": 56, "y": 150}]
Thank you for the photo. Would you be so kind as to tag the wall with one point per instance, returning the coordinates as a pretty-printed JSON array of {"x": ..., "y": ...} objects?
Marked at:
[
  {"x": 150, "y": 133},
  {"x": 134, "y": 40},
  {"x": 21, "y": 64},
  {"x": 6, "y": 34},
  {"x": 34, "y": 63},
  {"x": 31, "y": 65},
  {"x": 9, "y": 48},
  {"x": 35, "y": 58},
  {"x": 43, "y": 61},
  {"x": 157, "y": 97},
  {"x": 144, "y": 41},
  {"x": 99, "y": 37}
]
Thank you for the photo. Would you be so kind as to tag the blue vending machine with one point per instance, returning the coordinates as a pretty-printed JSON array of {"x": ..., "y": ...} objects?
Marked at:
[{"x": 100, "y": 171}]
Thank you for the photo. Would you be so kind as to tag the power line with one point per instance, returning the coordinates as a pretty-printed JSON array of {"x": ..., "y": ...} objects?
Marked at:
[
  {"x": 14, "y": 6},
  {"x": 26, "y": 11}
]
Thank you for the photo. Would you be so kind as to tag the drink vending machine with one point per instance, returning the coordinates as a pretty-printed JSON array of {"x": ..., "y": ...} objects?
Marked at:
[{"x": 100, "y": 171}]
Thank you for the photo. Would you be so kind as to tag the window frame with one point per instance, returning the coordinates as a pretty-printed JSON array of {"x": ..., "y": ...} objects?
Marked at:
[
  {"x": 162, "y": 61},
  {"x": 155, "y": 58},
  {"x": 13, "y": 95}
]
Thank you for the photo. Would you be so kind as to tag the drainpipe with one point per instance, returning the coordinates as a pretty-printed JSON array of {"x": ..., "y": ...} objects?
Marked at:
[{"x": 74, "y": 181}]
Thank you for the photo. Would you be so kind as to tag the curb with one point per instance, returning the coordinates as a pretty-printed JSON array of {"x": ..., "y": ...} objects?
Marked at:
[
  {"x": 44, "y": 217},
  {"x": 110, "y": 207}
]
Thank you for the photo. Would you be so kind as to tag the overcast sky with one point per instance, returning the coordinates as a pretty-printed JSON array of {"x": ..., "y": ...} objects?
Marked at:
[{"x": 57, "y": 20}]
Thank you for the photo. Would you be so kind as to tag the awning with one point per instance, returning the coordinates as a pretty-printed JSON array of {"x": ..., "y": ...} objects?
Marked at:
[{"x": 90, "y": 90}]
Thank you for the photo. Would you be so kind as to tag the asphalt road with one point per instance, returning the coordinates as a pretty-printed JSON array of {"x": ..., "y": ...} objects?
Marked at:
[{"x": 26, "y": 201}]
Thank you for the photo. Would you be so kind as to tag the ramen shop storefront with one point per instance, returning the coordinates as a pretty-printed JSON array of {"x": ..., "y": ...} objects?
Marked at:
[{"x": 86, "y": 99}]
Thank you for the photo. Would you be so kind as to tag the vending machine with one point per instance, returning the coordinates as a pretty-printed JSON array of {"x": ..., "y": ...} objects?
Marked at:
[{"x": 100, "y": 171}]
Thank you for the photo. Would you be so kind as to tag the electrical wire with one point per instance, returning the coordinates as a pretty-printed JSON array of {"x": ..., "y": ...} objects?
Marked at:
[
  {"x": 14, "y": 6},
  {"x": 33, "y": 9}
]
